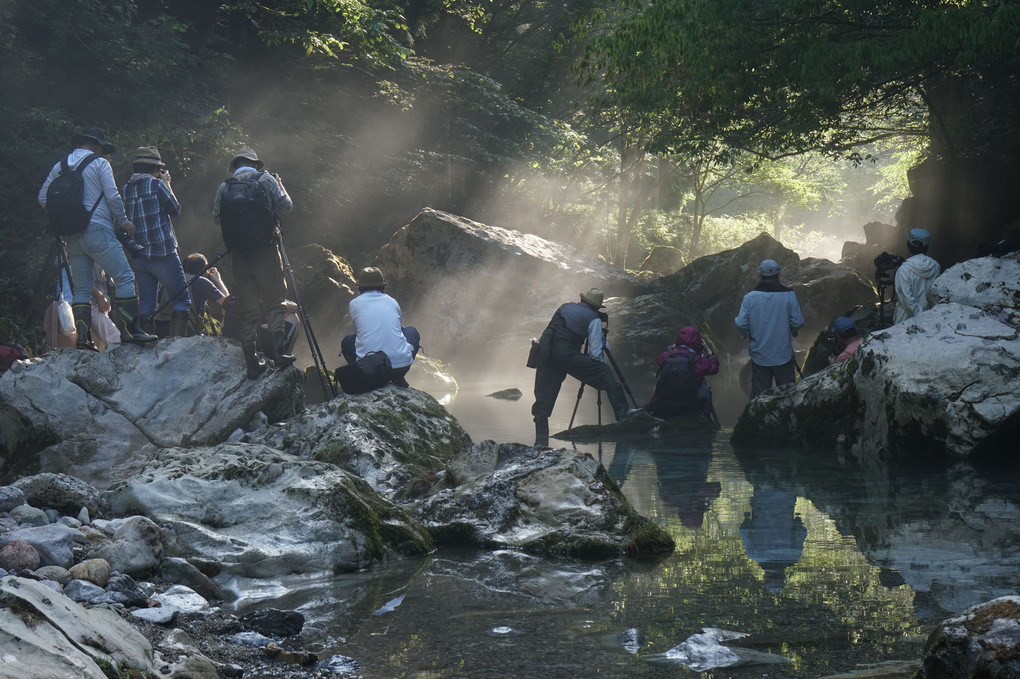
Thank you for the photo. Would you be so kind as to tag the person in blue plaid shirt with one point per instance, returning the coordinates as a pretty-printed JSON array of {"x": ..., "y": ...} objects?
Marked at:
[{"x": 150, "y": 203}]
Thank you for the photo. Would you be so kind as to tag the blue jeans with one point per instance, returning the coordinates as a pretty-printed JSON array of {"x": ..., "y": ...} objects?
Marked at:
[
  {"x": 98, "y": 245},
  {"x": 166, "y": 270}
]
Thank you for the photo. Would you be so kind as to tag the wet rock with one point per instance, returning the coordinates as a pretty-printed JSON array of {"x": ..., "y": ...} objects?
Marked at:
[
  {"x": 19, "y": 554},
  {"x": 273, "y": 622},
  {"x": 97, "y": 416},
  {"x": 56, "y": 637},
  {"x": 263, "y": 513},
  {"x": 67, "y": 494},
  {"x": 940, "y": 382},
  {"x": 181, "y": 572},
  {"x": 632, "y": 640},
  {"x": 983, "y": 641},
  {"x": 82, "y": 591},
  {"x": 397, "y": 440},
  {"x": 53, "y": 542},
  {"x": 512, "y": 394},
  {"x": 253, "y": 639},
  {"x": 184, "y": 599},
  {"x": 27, "y": 515},
  {"x": 159, "y": 615},
  {"x": 10, "y": 497},
  {"x": 437, "y": 264},
  {"x": 340, "y": 667},
  {"x": 541, "y": 501},
  {"x": 136, "y": 548},
  {"x": 57, "y": 574},
  {"x": 96, "y": 571}
]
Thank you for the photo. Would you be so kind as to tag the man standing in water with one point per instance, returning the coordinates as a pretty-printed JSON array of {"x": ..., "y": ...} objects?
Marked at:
[
  {"x": 571, "y": 326},
  {"x": 245, "y": 207},
  {"x": 914, "y": 277},
  {"x": 770, "y": 316}
]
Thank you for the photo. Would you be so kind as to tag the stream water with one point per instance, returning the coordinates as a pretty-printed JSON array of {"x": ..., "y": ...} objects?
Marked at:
[{"x": 828, "y": 568}]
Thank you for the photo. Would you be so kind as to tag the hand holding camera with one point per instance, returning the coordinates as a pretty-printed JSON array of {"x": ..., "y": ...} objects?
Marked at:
[{"x": 164, "y": 175}]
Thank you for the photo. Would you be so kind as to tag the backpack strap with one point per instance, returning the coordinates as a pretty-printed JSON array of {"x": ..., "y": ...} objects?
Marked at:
[{"x": 80, "y": 168}]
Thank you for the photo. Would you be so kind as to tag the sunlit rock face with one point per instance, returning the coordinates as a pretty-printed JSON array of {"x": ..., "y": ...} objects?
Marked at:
[
  {"x": 983, "y": 641},
  {"x": 259, "y": 512},
  {"x": 538, "y": 500},
  {"x": 942, "y": 382},
  {"x": 987, "y": 283},
  {"x": 707, "y": 293},
  {"x": 325, "y": 282},
  {"x": 466, "y": 284},
  {"x": 398, "y": 440},
  {"x": 99, "y": 416}
]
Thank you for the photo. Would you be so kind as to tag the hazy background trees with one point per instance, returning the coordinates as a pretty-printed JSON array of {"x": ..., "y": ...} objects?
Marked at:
[{"x": 613, "y": 125}]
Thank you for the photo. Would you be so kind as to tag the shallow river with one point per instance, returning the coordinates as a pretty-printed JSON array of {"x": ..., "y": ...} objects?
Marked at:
[{"x": 827, "y": 567}]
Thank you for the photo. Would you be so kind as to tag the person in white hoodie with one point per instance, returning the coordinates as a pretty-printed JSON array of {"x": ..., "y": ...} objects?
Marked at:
[{"x": 914, "y": 277}]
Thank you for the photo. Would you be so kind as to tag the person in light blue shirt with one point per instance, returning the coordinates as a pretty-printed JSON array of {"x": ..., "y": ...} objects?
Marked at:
[{"x": 770, "y": 317}]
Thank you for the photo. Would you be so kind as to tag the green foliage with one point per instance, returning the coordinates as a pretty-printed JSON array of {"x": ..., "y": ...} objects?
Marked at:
[{"x": 779, "y": 77}]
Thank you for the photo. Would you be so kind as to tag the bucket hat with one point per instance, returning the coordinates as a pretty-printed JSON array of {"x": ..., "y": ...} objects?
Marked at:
[
  {"x": 594, "y": 297},
  {"x": 919, "y": 237},
  {"x": 246, "y": 154},
  {"x": 371, "y": 277},
  {"x": 148, "y": 155},
  {"x": 93, "y": 134},
  {"x": 769, "y": 267}
]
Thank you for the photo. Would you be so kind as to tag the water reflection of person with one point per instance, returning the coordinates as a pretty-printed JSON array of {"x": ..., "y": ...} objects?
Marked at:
[
  {"x": 683, "y": 476},
  {"x": 773, "y": 534}
]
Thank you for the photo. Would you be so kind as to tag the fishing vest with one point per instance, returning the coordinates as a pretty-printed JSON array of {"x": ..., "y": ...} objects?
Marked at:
[{"x": 570, "y": 325}]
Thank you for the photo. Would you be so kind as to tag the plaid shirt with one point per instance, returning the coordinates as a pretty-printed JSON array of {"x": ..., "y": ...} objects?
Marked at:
[{"x": 150, "y": 203}]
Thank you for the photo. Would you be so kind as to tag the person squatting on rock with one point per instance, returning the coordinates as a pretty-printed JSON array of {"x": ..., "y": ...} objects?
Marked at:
[
  {"x": 770, "y": 316},
  {"x": 560, "y": 354},
  {"x": 150, "y": 203},
  {"x": 680, "y": 385},
  {"x": 207, "y": 287},
  {"x": 845, "y": 332},
  {"x": 98, "y": 244},
  {"x": 914, "y": 277},
  {"x": 246, "y": 207},
  {"x": 378, "y": 327}
]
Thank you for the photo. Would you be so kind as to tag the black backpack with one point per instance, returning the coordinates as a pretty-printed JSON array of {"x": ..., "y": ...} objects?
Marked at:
[
  {"x": 247, "y": 215},
  {"x": 65, "y": 199},
  {"x": 678, "y": 380}
]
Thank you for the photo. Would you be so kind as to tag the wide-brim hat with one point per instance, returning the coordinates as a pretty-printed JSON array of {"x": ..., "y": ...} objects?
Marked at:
[
  {"x": 93, "y": 134},
  {"x": 371, "y": 277},
  {"x": 594, "y": 297},
  {"x": 246, "y": 154},
  {"x": 148, "y": 155}
]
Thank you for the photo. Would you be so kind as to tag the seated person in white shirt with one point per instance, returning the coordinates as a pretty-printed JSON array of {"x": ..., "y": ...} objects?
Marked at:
[{"x": 378, "y": 327}]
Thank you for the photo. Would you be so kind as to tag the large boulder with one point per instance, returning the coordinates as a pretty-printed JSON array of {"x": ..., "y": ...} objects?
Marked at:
[
  {"x": 942, "y": 382},
  {"x": 45, "y": 634},
  {"x": 540, "y": 501},
  {"x": 983, "y": 641},
  {"x": 99, "y": 416},
  {"x": 991, "y": 284},
  {"x": 263, "y": 513},
  {"x": 464, "y": 283},
  {"x": 398, "y": 440}
]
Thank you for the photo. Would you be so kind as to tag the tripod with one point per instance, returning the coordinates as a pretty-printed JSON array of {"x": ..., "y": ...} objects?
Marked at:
[
  {"x": 615, "y": 368},
  {"x": 325, "y": 381}
]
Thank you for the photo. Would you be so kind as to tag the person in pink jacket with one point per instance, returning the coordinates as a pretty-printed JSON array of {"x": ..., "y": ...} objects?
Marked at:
[{"x": 681, "y": 387}]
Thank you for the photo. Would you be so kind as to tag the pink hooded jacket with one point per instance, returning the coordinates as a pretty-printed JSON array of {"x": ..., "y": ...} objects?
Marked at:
[{"x": 688, "y": 341}]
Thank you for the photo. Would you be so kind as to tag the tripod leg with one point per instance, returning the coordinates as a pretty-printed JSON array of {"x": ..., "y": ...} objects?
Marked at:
[
  {"x": 619, "y": 376},
  {"x": 580, "y": 392}
]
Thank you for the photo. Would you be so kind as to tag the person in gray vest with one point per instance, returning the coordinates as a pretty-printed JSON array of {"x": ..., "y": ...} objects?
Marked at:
[{"x": 573, "y": 325}]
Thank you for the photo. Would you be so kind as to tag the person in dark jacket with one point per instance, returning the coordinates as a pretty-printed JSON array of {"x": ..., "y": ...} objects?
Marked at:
[
  {"x": 681, "y": 387},
  {"x": 573, "y": 325}
]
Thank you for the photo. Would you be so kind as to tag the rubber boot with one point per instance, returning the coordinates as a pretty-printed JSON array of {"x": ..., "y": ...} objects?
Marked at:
[
  {"x": 255, "y": 364},
  {"x": 128, "y": 321},
  {"x": 280, "y": 359},
  {"x": 179, "y": 323},
  {"x": 541, "y": 432},
  {"x": 83, "y": 324}
]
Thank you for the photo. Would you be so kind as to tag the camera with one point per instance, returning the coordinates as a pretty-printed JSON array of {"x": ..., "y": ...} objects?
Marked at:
[
  {"x": 886, "y": 262},
  {"x": 129, "y": 243}
]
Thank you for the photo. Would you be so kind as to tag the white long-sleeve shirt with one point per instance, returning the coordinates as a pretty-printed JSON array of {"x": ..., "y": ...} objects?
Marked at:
[{"x": 98, "y": 177}]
